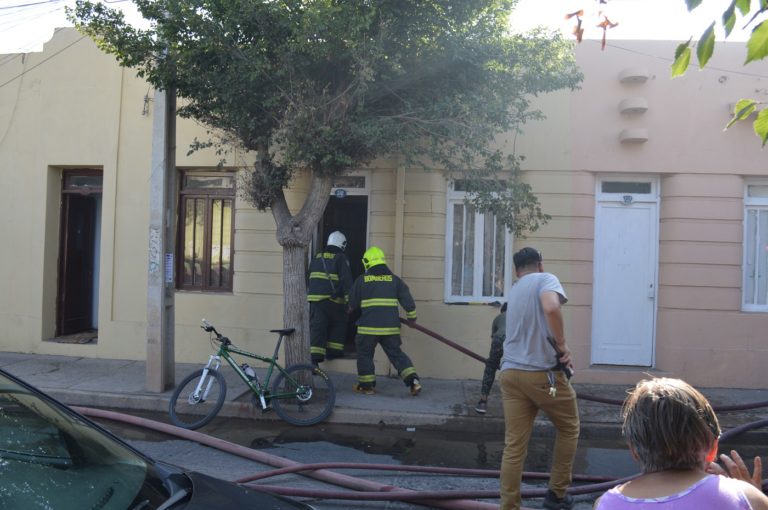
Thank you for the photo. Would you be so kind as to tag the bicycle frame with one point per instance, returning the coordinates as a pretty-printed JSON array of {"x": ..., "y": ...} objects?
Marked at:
[
  {"x": 300, "y": 394},
  {"x": 225, "y": 351}
]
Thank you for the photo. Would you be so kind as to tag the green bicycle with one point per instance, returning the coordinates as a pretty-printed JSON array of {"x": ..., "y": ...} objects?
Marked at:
[{"x": 301, "y": 394}]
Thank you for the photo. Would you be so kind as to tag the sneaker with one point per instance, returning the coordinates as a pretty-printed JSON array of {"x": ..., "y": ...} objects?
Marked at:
[
  {"x": 415, "y": 387},
  {"x": 481, "y": 407},
  {"x": 552, "y": 502},
  {"x": 365, "y": 390}
]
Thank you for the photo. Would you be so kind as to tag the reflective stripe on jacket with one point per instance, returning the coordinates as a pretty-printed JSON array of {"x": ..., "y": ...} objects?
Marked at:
[
  {"x": 378, "y": 294},
  {"x": 338, "y": 272}
]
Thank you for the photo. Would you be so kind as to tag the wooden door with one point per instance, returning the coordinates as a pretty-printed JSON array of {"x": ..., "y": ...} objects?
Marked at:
[{"x": 76, "y": 263}]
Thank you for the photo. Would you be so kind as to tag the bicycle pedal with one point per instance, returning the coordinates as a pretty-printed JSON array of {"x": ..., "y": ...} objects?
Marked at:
[{"x": 266, "y": 410}]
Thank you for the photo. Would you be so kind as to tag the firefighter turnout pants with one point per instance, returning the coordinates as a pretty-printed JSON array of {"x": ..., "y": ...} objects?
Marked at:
[
  {"x": 327, "y": 330},
  {"x": 366, "y": 346}
]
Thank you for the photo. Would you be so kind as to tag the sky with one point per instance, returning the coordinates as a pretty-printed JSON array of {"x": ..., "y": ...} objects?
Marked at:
[{"x": 25, "y": 25}]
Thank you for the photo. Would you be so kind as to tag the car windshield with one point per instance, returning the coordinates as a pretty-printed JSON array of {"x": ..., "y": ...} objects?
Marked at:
[{"x": 50, "y": 458}]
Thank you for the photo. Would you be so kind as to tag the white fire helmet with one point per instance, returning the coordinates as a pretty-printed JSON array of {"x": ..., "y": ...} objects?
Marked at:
[{"x": 337, "y": 239}]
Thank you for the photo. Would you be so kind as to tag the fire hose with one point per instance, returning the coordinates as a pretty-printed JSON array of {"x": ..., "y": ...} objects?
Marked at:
[
  {"x": 591, "y": 398},
  {"x": 360, "y": 489}
]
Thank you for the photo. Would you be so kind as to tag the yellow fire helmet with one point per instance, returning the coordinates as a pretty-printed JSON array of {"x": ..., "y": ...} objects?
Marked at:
[{"x": 373, "y": 256}]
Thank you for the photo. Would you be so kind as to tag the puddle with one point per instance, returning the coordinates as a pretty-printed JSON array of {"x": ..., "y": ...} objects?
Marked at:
[{"x": 596, "y": 457}]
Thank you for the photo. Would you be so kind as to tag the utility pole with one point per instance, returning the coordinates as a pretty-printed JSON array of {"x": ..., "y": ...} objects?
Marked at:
[{"x": 162, "y": 221}]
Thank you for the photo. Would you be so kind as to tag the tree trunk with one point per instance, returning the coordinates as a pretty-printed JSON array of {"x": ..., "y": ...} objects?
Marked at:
[
  {"x": 294, "y": 234},
  {"x": 296, "y": 308}
]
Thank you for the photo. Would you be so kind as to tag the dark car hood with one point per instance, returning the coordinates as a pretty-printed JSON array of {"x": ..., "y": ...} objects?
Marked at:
[{"x": 209, "y": 493}]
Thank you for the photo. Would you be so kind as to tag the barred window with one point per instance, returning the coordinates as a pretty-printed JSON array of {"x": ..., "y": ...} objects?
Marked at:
[{"x": 206, "y": 231}]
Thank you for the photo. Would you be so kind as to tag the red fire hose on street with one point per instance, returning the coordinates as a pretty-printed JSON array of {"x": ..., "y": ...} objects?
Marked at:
[
  {"x": 591, "y": 398},
  {"x": 360, "y": 489},
  {"x": 363, "y": 488}
]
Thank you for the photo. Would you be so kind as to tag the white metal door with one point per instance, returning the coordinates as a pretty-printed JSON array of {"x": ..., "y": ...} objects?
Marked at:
[{"x": 625, "y": 263}]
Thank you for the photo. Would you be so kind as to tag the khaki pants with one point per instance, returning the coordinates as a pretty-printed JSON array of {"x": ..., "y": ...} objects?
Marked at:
[{"x": 523, "y": 394}]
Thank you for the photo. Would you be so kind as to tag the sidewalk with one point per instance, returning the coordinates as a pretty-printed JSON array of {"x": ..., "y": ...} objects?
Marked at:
[{"x": 444, "y": 404}]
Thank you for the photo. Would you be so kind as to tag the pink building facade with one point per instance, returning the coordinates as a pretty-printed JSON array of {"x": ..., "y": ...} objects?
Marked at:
[{"x": 660, "y": 217}]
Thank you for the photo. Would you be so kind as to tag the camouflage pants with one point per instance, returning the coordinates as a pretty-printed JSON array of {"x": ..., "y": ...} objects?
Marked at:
[{"x": 492, "y": 364}]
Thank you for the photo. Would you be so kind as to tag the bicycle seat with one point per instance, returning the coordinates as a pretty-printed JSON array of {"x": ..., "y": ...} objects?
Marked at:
[{"x": 283, "y": 332}]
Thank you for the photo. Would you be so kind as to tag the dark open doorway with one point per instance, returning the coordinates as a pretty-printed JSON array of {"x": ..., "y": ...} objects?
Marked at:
[
  {"x": 77, "y": 295},
  {"x": 349, "y": 215}
]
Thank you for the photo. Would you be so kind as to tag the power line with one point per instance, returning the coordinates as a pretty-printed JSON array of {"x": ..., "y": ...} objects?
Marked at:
[
  {"x": 30, "y": 4},
  {"x": 41, "y": 62},
  {"x": 9, "y": 58},
  {"x": 21, "y": 18},
  {"x": 668, "y": 59}
]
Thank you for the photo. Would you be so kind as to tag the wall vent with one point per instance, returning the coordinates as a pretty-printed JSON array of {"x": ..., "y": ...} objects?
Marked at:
[
  {"x": 633, "y": 105},
  {"x": 633, "y": 135},
  {"x": 634, "y": 75}
]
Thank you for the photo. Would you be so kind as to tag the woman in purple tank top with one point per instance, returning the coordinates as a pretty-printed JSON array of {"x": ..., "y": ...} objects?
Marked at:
[{"x": 672, "y": 432}]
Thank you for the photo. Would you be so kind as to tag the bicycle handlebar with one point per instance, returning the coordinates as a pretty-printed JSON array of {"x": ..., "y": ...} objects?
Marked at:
[{"x": 207, "y": 326}]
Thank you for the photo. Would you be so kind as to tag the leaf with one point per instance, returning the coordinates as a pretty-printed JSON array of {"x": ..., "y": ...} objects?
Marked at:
[
  {"x": 757, "y": 45},
  {"x": 706, "y": 46},
  {"x": 681, "y": 47},
  {"x": 577, "y": 14},
  {"x": 682, "y": 60},
  {"x": 692, "y": 4},
  {"x": 729, "y": 18},
  {"x": 761, "y": 125},
  {"x": 743, "y": 6},
  {"x": 741, "y": 110}
]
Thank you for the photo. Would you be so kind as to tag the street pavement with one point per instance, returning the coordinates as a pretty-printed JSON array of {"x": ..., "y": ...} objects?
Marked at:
[{"x": 444, "y": 404}]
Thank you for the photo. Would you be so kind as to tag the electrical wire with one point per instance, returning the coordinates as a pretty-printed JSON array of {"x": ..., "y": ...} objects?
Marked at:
[
  {"x": 41, "y": 62},
  {"x": 16, "y": 26},
  {"x": 669, "y": 59},
  {"x": 18, "y": 6},
  {"x": 10, "y": 24}
]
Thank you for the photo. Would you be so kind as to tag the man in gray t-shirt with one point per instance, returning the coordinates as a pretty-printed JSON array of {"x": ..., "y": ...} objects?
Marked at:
[
  {"x": 531, "y": 380},
  {"x": 527, "y": 324}
]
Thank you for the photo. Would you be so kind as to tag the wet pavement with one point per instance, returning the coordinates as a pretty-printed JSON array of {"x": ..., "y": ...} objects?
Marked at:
[
  {"x": 369, "y": 445},
  {"x": 445, "y": 404}
]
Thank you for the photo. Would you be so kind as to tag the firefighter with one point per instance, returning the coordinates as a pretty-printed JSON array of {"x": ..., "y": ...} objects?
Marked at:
[
  {"x": 377, "y": 293},
  {"x": 330, "y": 278}
]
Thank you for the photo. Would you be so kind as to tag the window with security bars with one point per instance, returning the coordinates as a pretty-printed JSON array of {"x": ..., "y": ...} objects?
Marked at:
[
  {"x": 206, "y": 231},
  {"x": 755, "y": 285},
  {"x": 478, "y": 247}
]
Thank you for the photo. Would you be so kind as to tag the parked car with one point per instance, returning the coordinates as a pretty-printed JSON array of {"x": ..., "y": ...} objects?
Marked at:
[{"x": 54, "y": 458}]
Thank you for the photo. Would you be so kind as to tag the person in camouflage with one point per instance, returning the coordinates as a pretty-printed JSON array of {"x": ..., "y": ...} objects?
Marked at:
[{"x": 492, "y": 363}]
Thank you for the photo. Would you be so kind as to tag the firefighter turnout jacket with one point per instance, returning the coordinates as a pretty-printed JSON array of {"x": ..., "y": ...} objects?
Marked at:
[
  {"x": 377, "y": 293},
  {"x": 329, "y": 276}
]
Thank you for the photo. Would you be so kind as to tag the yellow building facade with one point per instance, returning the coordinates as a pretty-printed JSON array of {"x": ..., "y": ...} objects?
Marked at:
[{"x": 659, "y": 227}]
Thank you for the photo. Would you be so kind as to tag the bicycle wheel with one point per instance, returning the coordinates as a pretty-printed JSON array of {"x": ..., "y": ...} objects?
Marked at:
[
  {"x": 303, "y": 395},
  {"x": 191, "y": 410}
]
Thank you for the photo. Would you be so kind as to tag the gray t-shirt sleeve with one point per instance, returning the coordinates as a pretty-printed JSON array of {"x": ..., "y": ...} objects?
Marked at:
[{"x": 549, "y": 282}]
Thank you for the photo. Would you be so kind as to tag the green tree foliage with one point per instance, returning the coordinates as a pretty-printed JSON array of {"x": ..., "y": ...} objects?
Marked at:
[
  {"x": 747, "y": 12},
  {"x": 327, "y": 86}
]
